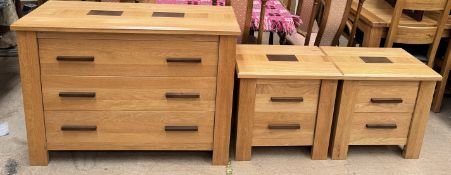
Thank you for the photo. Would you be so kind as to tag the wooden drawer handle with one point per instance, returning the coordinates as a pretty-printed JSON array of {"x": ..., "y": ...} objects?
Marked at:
[
  {"x": 181, "y": 128},
  {"x": 287, "y": 99},
  {"x": 75, "y": 58},
  {"x": 182, "y": 95},
  {"x": 78, "y": 94},
  {"x": 184, "y": 60},
  {"x": 386, "y": 100},
  {"x": 78, "y": 128},
  {"x": 284, "y": 126},
  {"x": 381, "y": 126}
]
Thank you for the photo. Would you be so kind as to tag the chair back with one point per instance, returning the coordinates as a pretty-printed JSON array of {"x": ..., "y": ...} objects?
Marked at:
[
  {"x": 419, "y": 34},
  {"x": 333, "y": 21}
]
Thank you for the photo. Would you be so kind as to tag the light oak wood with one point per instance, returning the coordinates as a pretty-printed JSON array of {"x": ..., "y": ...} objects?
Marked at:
[
  {"x": 361, "y": 135},
  {"x": 224, "y": 99},
  {"x": 127, "y": 36},
  {"x": 441, "y": 86},
  {"x": 263, "y": 136},
  {"x": 245, "y": 120},
  {"x": 128, "y": 93},
  {"x": 327, "y": 95},
  {"x": 128, "y": 57},
  {"x": 404, "y": 66},
  {"x": 32, "y": 98},
  {"x": 136, "y": 18},
  {"x": 125, "y": 130},
  {"x": 253, "y": 63},
  {"x": 419, "y": 120}
]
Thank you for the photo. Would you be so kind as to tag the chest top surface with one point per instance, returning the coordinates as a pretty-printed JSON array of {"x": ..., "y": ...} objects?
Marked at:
[
  {"x": 379, "y": 64},
  {"x": 73, "y": 16},
  {"x": 283, "y": 62}
]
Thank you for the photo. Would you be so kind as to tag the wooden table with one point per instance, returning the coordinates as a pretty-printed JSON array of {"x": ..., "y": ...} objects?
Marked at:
[
  {"x": 127, "y": 76},
  {"x": 376, "y": 17}
]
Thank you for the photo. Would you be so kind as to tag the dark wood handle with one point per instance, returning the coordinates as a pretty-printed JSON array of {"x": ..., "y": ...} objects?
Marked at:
[
  {"x": 78, "y": 94},
  {"x": 182, "y": 95},
  {"x": 386, "y": 100},
  {"x": 381, "y": 126},
  {"x": 181, "y": 128},
  {"x": 287, "y": 99},
  {"x": 75, "y": 58},
  {"x": 78, "y": 128},
  {"x": 284, "y": 126},
  {"x": 184, "y": 60}
]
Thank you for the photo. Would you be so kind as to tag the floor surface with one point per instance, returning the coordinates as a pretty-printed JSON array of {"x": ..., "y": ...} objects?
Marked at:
[{"x": 435, "y": 157}]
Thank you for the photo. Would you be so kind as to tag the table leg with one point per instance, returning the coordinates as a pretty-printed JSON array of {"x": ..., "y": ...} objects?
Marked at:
[
  {"x": 441, "y": 87},
  {"x": 372, "y": 35}
]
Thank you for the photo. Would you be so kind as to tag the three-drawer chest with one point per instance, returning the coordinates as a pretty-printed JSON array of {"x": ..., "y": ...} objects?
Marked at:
[{"x": 117, "y": 76}]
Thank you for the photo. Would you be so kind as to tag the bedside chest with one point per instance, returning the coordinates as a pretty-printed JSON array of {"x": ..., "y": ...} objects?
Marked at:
[
  {"x": 124, "y": 76},
  {"x": 286, "y": 98},
  {"x": 384, "y": 99}
]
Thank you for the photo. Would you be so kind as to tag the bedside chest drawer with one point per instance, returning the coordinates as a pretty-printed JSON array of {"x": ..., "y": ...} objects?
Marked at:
[
  {"x": 287, "y": 96},
  {"x": 122, "y": 130},
  {"x": 386, "y": 96},
  {"x": 129, "y": 93},
  {"x": 380, "y": 128},
  {"x": 283, "y": 129},
  {"x": 106, "y": 57}
]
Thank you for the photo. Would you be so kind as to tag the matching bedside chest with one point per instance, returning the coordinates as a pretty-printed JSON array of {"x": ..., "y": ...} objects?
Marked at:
[
  {"x": 124, "y": 76},
  {"x": 286, "y": 98},
  {"x": 385, "y": 99}
]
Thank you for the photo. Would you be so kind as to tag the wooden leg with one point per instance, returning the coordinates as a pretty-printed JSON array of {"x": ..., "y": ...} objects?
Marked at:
[
  {"x": 271, "y": 38},
  {"x": 419, "y": 120},
  {"x": 32, "y": 98},
  {"x": 343, "y": 120},
  {"x": 324, "y": 119},
  {"x": 224, "y": 100},
  {"x": 283, "y": 39},
  {"x": 245, "y": 119},
  {"x": 372, "y": 35},
  {"x": 441, "y": 87}
]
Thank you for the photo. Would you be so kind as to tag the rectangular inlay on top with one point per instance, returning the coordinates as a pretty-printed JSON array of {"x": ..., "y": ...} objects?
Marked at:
[
  {"x": 281, "y": 57},
  {"x": 168, "y": 14},
  {"x": 105, "y": 12},
  {"x": 375, "y": 59}
]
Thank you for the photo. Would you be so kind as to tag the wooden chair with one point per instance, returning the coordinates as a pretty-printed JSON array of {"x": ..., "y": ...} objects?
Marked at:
[
  {"x": 399, "y": 33},
  {"x": 307, "y": 10},
  {"x": 331, "y": 25},
  {"x": 445, "y": 66}
]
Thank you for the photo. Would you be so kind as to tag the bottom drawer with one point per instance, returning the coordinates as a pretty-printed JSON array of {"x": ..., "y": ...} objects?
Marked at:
[
  {"x": 129, "y": 130},
  {"x": 283, "y": 129},
  {"x": 380, "y": 128}
]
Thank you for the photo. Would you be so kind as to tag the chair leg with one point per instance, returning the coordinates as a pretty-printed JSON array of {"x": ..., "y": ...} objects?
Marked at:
[
  {"x": 283, "y": 39},
  {"x": 441, "y": 87},
  {"x": 271, "y": 38}
]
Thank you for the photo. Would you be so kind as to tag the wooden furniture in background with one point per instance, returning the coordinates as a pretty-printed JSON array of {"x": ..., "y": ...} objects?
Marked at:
[
  {"x": 351, "y": 38},
  {"x": 376, "y": 17},
  {"x": 400, "y": 33},
  {"x": 107, "y": 81},
  {"x": 308, "y": 11},
  {"x": 385, "y": 99},
  {"x": 286, "y": 98},
  {"x": 445, "y": 67}
]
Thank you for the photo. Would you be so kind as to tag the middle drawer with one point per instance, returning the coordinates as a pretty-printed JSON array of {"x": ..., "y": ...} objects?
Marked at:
[{"x": 129, "y": 93}]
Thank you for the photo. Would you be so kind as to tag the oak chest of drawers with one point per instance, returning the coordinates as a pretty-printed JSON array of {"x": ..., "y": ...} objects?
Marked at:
[
  {"x": 110, "y": 76},
  {"x": 384, "y": 99},
  {"x": 286, "y": 98}
]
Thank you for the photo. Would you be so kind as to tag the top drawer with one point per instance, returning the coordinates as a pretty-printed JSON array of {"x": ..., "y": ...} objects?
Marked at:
[
  {"x": 386, "y": 96},
  {"x": 110, "y": 57}
]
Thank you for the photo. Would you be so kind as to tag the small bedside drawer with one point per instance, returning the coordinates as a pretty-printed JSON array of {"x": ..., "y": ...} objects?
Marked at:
[
  {"x": 129, "y": 93},
  {"x": 380, "y": 128},
  {"x": 380, "y": 96},
  {"x": 287, "y": 96},
  {"x": 106, "y": 57},
  {"x": 283, "y": 129},
  {"x": 121, "y": 130}
]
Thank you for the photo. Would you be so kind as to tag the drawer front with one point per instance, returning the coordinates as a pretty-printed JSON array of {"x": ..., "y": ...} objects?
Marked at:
[
  {"x": 386, "y": 97},
  {"x": 129, "y": 93},
  {"x": 380, "y": 128},
  {"x": 122, "y": 130},
  {"x": 283, "y": 129},
  {"x": 128, "y": 58},
  {"x": 287, "y": 96}
]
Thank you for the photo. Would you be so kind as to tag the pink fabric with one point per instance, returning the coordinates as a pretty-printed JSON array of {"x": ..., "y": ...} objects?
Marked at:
[
  {"x": 277, "y": 18},
  {"x": 191, "y": 2}
]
